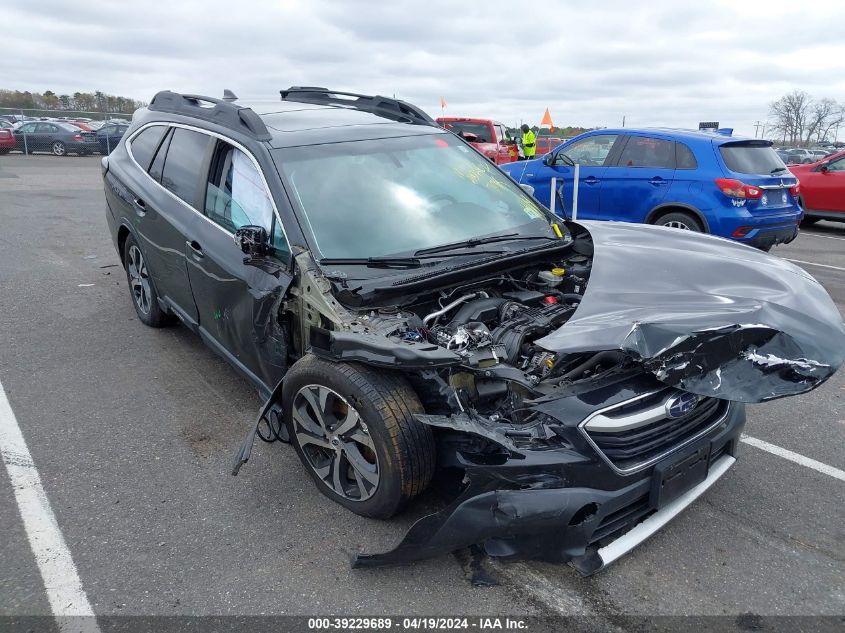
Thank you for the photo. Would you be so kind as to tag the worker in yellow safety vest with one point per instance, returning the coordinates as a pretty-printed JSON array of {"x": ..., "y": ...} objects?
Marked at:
[{"x": 529, "y": 142}]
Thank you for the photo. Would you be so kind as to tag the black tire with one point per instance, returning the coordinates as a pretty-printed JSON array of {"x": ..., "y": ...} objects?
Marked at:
[
  {"x": 400, "y": 449},
  {"x": 141, "y": 290},
  {"x": 676, "y": 218},
  {"x": 809, "y": 221},
  {"x": 58, "y": 148}
]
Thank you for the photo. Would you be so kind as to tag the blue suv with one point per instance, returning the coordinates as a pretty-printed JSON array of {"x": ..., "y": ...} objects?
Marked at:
[{"x": 709, "y": 182}]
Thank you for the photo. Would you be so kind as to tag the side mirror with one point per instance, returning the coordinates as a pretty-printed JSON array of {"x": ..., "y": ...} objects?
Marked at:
[
  {"x": 252, "y": 240},
  {"x": 527, "y": 188},
  {"x": 824, "y": 167},
  {"x": 549, "y": 159}
]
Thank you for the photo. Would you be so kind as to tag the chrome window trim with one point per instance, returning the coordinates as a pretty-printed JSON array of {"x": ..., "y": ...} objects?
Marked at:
[
  {"x": 643, "y": 465},
  {"x": 221, "y": 137}
]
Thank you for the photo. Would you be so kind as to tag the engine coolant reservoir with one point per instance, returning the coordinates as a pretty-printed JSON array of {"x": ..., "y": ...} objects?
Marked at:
[{"x": 551, "y": 277}]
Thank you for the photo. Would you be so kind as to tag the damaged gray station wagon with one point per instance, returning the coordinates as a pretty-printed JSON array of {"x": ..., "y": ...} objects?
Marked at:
[{"x": 407, "y": 311}]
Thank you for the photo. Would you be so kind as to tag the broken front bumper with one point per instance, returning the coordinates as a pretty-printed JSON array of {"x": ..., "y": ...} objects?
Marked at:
[{"x": 512, "y": 510}]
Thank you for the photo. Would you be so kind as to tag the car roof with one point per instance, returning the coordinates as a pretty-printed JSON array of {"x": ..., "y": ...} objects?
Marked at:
[
  {"x": 675, "y": 134},
  {"x": 293, "y": 124}
]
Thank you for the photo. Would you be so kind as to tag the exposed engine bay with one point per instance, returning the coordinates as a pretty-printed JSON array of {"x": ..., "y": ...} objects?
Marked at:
[{"x": 512, "y": 360}]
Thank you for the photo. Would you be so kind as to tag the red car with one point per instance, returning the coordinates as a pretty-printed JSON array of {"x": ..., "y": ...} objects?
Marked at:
[
  {"x": 487, "y": 136},
  {"x": 7, "y": 137},
  {"x": 822, "y": 186}
]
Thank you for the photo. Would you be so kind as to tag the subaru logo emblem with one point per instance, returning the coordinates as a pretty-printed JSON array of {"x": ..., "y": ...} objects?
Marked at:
[{"x": 678, "y": 406}]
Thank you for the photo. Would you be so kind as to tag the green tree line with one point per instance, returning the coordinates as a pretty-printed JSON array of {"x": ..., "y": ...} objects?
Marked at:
[{"x": 86, "y": 101}]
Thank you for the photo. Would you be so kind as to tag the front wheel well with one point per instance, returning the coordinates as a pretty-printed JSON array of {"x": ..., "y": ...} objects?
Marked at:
[{"x": 655, "y": 215}]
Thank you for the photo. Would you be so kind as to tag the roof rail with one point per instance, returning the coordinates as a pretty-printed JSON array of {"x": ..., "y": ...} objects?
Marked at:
[
  {"x": 221, "y": 112},
  {"x": 385, "y": 107}
]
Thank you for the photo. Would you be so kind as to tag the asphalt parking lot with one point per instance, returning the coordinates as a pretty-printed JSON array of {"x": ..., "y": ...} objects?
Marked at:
[{"x": 133, "y": 431}]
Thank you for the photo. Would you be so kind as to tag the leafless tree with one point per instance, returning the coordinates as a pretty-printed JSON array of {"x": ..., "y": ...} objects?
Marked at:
[
  {"x": 790, "y": 114},
  {"x": 800, "y": 119}
]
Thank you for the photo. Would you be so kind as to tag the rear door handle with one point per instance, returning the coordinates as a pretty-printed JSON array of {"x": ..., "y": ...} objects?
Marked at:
[
  {"x": 657, "y": 180},
  {"x": 195, "y": 247},
  {"x": 591, "y": 180}
]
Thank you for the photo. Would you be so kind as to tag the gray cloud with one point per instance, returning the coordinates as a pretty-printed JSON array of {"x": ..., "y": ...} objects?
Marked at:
[{"x": 658, "y": 63}]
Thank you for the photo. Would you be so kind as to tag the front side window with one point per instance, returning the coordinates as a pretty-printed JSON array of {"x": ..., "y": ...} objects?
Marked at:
[
  {"x": 591, "y": 151},
  {"x": 182, "y": 164},
  {"x": 144, "y": 145},
  {"x": 236, "y": 195},
  {"x": 837, "y": 165},
  {"x": 645, "y": 151},
  {"x": 398, "y": 195}
]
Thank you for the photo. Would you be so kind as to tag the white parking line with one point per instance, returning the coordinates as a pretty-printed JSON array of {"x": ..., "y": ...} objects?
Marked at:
[
  {"x": 827, "y": 237},
  {"x": 794, "y": 457},
  {"x": 801, "y": 261},
  {"x": 61, "y": 581}
]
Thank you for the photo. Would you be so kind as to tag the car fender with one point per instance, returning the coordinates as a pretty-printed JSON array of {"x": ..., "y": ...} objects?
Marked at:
[{"x": 680, "y": 205}]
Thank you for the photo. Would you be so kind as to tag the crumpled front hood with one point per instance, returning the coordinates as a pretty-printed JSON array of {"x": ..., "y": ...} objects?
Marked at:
[{"x": 705, "y": 314}]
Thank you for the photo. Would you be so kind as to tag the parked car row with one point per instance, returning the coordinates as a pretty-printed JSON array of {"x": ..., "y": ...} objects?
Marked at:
[
  {"x": 801, "y": 156},
  {"x": 61, "y": 137}
]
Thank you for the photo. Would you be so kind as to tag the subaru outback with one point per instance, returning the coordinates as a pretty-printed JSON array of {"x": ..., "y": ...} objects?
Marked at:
[{"x": 405, "y": 309}]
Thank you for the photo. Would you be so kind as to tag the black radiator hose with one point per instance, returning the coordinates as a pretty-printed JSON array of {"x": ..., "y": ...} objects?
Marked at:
[{"x": 615, "y": 356}]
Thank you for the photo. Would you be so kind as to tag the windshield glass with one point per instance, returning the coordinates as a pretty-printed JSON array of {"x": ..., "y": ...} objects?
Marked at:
[
  {"x": 397, "y": 195},
  {"x": 751, "y": 159}
]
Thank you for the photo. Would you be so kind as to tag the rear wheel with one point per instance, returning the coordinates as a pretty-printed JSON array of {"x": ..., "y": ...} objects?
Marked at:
[
  {"x": 144, "y": 296},
  {"x": 354, "y": 431},
  {"x": 680, "y": 220},
  {"x": 59, "y": 148}
]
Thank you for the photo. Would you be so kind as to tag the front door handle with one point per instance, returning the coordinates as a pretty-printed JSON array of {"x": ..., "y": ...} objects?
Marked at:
[
  {"x": 195, "y": 247},
  {"x": 591, "y": 180},
  {"x": 140, "y": 205}
]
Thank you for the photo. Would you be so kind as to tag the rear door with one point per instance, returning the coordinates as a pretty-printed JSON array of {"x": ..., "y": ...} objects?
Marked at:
[
  {"x": 238, "y": 303},
  {"x": 639, "y": 179}
]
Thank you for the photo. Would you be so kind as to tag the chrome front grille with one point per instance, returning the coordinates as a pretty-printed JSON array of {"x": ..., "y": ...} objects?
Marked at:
[{"x": 637, "y": 433}]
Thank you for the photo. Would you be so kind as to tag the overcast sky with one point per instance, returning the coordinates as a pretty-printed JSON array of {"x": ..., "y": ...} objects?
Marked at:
[{"x": 670, "y": 63}]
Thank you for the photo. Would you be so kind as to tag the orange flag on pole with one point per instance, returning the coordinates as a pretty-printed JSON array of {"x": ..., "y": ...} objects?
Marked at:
[
  {"x": 547, "y": 119},
  {"x": 442, "y": 102}
]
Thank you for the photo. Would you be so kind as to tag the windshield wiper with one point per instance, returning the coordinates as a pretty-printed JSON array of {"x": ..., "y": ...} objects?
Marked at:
[
  {"x": 477, "y": 241},
  {"x": 396, "y": 262},
  {"x": 374, "y": 262}
]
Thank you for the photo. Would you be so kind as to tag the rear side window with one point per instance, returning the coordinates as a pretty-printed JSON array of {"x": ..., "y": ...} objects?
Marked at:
[
  {"x": 644, "y": 151},
  {"x": 144, "y": 145},
  {"x": 684, "y": 158},
  {"x": 750, "y": 158},
  {"x": 158, "y": 162},
  {"x": 183, "y": 162}
]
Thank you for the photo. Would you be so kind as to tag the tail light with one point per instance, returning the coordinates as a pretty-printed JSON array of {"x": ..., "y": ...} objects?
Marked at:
[
  {"x": 77, "y": 137},
  {"x": 737, "y": 189},
  {"x": 794, "y": 190}
]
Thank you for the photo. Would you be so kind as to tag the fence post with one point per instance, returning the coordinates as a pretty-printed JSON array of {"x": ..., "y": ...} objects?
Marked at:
[{"x": 25, "y": 144}]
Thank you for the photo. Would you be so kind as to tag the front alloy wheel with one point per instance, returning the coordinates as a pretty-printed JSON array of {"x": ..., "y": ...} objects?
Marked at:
[{"x": 336, "y": 443}]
